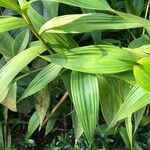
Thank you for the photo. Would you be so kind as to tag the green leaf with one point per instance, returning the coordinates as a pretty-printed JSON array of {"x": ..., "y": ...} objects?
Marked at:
[
  {"x": 79, "y": 23},
  {"x": 10, "y": 23},
  {"x": 16, "y": 64},
  {"x": 50, "y": 124},
  {"x": 77, "y": 126},
  {"x": 45, "y": 76},
  {"x": 85, "y": 96},
  {"x": 5, "y": 46},
  {"x": 21, "y": 41},
  {"x": 10, "y": 100},
  {"x": 98, "y": 59},
  {"x": 135, "y": 100},
  {"x": 42, "y": 103},
  {"x": 138, "y": 117},
  {"x": 50, "y": 9},
  {"x": 33, "y": 124},
  {"x": 142, "y": 73},
  {"x": 124, "y": 136},
  {"x": 110, "y": 100},
  {"x": 57, "y": 42},
  {"x": 128, "y": 124},
  {"x": 11, "y": 4},
  {"x": 95, "y": 4}
]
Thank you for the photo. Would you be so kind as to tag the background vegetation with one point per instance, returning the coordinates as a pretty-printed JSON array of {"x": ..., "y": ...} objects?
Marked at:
[{"x": 75, "y": 74}]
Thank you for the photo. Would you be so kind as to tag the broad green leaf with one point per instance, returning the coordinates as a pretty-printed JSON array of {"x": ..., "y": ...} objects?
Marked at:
[
  {"x": 95, "y": 4},
  {"x": 5, "y": 46},
  {"x": 85, "y": 96},
  {"x": 42, "y": 103},
  {"x": 57, "y": 42},
  {"x": 130, "y": 8},
  {"x": 16, "y": 64},
  {"x": 45, "y": 76},
  {"x": 138, "y": 117},
  {"x": 128, "y": 124},
  {"x": 10, "y": 100},
  {"x": 144, "y": 48},
  {"x": 98, "y": 59},
  {"x": 143, "y": 40},
  {"x": 21, "y": 41},
  {"x": 50, "y": 124},
  {"x": 50, "y": 9},
  {"x": 77, "y": 126},
  {"x": 79, "y": 23},
  {"x": 11, "y": 4},
  {"x": 124, "y": 136},
  {"x": 33, "y": 124},
  {"x": 135, "y": 100},
  {"x": 142, "y": 73},
  {"x": 10, "y": 23},
  {"x": 110, "y": 100}
]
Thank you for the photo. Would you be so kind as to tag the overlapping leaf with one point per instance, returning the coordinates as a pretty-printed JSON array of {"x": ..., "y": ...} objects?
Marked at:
[
  {"x": 16, "y": 64},
  {"x": 101, "y": 59},
  {"x": 85, "y": 95},
  {"x": 142, "y": 73},
  {"x": 136, "y": 99},
  {"x": 80, "y": 23},
  {"x": 95, "y": 4},
  {"x": 11, "y": 4},
  {"x": 110, "y": 100},
  {"x": 42, "y": 79},
  {"x": 10, "y": 23}
]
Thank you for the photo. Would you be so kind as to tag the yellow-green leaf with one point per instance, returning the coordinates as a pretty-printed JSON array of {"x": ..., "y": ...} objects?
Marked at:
[
  {"x": 16, "y": 64},
  {"x": 85, "y": 96},
  {"x": 142, "y": 73}
]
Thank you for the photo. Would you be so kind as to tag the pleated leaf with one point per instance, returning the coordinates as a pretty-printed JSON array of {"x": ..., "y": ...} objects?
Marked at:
[
  {"x": 80, "y": 23},
  {"x": 95, "y": 4},
  {"x": 142, "y": 73},
  {"x": 5, "y": 47},
  {"x": 33, "y": 124},
  {"x": 10, "y": 23},
  {"x": 110, "y": 100},
  {"x": 11, "y": 4},
  {"x": 42, "y": 103},
  {"x": 21, "y": 41},
  {"x": 10, "y": 100},
  {"x": 45, "y": 76},
  {"x": 100, "y": 59},
  {"x": 16, "y": 64},
  {"x": 85, "y": 96},
  {"x": 135, "y": 100},
  {"x": 58, "y": 43}
]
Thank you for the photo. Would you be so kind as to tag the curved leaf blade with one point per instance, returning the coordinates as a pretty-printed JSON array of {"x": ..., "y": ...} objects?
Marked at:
[
  {"x": 98, "y": 59},
  {"x": 10, "y": 23},
  {"x": 80, "y": 23},
  {"x": 142, "y": 73},
  {"x": 16, "y": 64},
  {"x": 42, "y": 79},
  {"x": 135, "y": 100},
  {"x": 85, "y": 95}
]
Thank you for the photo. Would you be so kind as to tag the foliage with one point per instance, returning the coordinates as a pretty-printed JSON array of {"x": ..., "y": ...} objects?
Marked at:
[{"x": 89, "y": 63}]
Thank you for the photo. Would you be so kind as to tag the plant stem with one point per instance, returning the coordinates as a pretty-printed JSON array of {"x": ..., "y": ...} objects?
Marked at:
[
  {"x": 35, "y": 33},
  {"x": 5, "y": 126},
  {"x": 146, "y": 13},
  {"x": 54, "y": 109}
]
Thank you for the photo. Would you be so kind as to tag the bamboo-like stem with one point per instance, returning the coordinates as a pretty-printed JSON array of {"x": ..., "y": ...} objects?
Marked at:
[
  {"x": 54, "y": 109},
  {"x": 5, "y": 126},
  {"x": 146, "y": 14}
]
